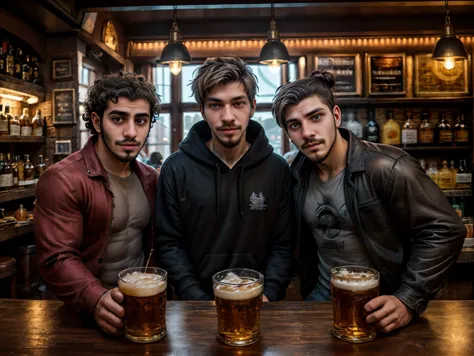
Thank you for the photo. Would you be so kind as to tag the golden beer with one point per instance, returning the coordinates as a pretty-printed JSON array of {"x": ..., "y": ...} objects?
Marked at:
[
  {"x": 351, "y": 288},
  {"x": 238, "y": 294},
  {"x": 144, "y": 303}
]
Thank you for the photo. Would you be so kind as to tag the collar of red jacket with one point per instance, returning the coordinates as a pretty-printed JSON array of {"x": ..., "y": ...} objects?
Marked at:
[{"x": 96, "y": 169}]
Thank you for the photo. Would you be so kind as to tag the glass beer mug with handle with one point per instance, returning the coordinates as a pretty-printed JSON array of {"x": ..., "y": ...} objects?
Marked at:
[
  {"x": 144, "y": 291},
  {"x": 351, "y": 288},
  {"x": 238, "y": 294}
]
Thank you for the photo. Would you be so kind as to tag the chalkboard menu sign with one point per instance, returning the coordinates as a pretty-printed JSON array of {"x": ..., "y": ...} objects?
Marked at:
[
  {"x": 62, "y": 69},
  {"x": 64, "y": 106},
  {"x": 386, "y": 74},
  {"x": 346, "y": 68}
]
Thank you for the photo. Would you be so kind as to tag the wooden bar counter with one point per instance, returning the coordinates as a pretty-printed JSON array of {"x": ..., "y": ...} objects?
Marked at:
[{"x": 36, "y": 327}]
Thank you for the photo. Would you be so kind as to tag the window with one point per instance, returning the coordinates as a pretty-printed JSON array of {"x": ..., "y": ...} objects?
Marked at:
[
  {"x": 269, "y": 79},
  {"x": 87, "y": 78},
  {"x": 189, "y": 119},
  {"x": 292, "y": 72},
  {"x": 159, "y": 138},
  {"x": 187, "y": 75},
  {"x": 272, "y": 130},
  {"x": 162, "y": 82}
]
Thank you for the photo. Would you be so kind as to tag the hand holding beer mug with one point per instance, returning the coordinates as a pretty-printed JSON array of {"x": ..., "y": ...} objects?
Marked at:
[
  {"x": 351, "y": 288},
  {"x": 144, "y": 291},
  {"x": 238, "y": 294}
]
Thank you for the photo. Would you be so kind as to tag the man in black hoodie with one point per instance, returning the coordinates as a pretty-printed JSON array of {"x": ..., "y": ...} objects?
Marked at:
[{"x": 225, "y": 199}]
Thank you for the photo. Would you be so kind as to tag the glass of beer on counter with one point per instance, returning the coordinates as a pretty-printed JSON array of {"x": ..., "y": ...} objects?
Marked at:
[
  {"x": 144, "y": 291},
  {"x": 238, "y": 293},
  {"x": 351, "y": 288}
]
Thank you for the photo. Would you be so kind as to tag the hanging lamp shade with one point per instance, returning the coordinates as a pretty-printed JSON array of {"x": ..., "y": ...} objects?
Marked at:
[{"x": 274, "y": 52}]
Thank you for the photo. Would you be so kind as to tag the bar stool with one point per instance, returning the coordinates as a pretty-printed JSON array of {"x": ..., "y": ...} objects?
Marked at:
[{"x": 8, "y": 270}]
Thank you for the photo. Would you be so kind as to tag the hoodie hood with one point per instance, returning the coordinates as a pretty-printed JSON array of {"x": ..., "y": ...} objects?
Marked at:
[{"x": 195, "y": 147}]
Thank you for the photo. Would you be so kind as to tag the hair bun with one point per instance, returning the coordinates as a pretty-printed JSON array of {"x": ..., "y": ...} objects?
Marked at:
[{"x": 324, "y": 76}]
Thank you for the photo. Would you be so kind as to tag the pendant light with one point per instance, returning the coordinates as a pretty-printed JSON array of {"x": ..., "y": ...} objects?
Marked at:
[
  {"x": 274, "y": 52},
  {"x": 175, "y": 52},
  {"x": 449, "y": 48}
]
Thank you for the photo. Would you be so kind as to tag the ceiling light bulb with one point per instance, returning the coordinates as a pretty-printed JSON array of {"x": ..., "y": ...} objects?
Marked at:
[
  {"x": 175, "y": 67},
  {"x": 449, "y": 63},
  {"x": 32, "y": 100},
  {"x": 274, "y": 66}
]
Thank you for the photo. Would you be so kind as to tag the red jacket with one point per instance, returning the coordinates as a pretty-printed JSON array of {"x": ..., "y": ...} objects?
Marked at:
[{"x": 73, "y": 216}]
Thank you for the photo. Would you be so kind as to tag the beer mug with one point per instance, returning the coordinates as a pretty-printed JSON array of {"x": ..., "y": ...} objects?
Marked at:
[
  {"x": 144, "y": 303},
  {"x": 238, "y": 293},
  {"x": 351, "y": 288}
]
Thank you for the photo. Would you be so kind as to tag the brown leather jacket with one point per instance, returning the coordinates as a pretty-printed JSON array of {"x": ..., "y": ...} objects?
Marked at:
[{"x": 73, "y": 216}]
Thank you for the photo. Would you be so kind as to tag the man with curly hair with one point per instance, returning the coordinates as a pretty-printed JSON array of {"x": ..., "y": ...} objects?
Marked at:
[{"x": 94, "y": 209}]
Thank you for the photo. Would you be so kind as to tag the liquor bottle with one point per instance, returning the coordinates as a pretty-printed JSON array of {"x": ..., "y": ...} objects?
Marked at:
[
  {"x": 423, "y": 164},
  {"x": 29, "y": 60},
  {"x": 463, "y": 176},
  {"x": 21, "y": 171},
  {"x": 433, "y": 172},
  {"x": 14, "y": 126},
  {"x": 25, "y": 69},
  {"x": 425, "y": 130},
  {"x": 354, "y": 125},
  {"x": 461, "y": 131},
  {"x": 409, "y": 131},
  {"x": 2, "y": 176},
  {"x": 36, "y": 75},
  {"x": 29, "y": 170},
  {"x": 16, "y": 180},
  {"x": 18, "y": 63},
  {"x": 453, "y": 170},
  {"x": 38, "y": 124},
  {"x": 3, "y": 64},
  {"x": 7, "y": 173},
  {"x": 458, "y": 206},
  {"x": 391, "y": 131},
  {"x": 25, "y": 126},
  {"x": 444, "y": 133},
  {"x": 445, "y": 177},
  {"x": 372, "y": 129},
  {"x": 41, "y": 166},
  {"x": 47, "y": 163},
  {"x": 3, "y": 123},
  {"x": 10, "y": 62},
  {"x": 21, "y": 215}
]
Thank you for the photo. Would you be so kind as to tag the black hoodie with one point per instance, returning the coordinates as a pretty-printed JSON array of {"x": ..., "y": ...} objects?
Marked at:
[{"x": 211, "y": 217}]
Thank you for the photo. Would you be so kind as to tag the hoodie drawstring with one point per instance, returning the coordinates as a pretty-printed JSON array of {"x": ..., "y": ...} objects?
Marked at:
[
  {"x": 218, "y": 190},
  {"x": 240, "y": 191}
]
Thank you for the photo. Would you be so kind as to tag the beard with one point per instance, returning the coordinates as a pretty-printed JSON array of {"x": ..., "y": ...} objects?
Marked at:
[
  {"x": 315, "y": 159},
  {"x": 234, "y": 141},
  {"x": 109, "y": 143}
]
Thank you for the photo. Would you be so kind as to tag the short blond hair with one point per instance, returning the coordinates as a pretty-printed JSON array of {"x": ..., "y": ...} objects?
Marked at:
[{"x": 223, "y": 70}]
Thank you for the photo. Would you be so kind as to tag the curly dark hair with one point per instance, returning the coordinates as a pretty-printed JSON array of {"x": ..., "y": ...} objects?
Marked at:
[{"x": 113, "y": 86}]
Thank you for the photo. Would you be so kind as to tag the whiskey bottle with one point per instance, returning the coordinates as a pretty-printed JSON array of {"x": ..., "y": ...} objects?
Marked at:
[
  {"x": 38, "y": 124},
  {"x": 7, "y": 173},
  {"x": 21, "y": 171},
  {"x": 41, "y": 166},
  {"x": 453, "y": 170},
  {"x": 391, "y": 131},
  {"x": 3, "y": 123},
  {"x": 29, "y": 170},
  {"x": 14, "y": 126},
  {"x": 36, "y": 75},
  {"x": 15, "y": 171},
  {"x": 3, "y": 64},
  {"x": 18, "y": 63},
  {"x": 461, "y": 131},
  {"x": 2, "y": 176},
  {"x": 444, "y": 133},
  {"x": 25, "y": 126},
  {"x": 463, "y": 176},
  {"x": 25, "y": 69},
  {"x": 433, "y": 172},
  {"x": 10, "y": 62},
  {"x": 354, "y": 125},
  {"x": 425, "y": 130},
  {"x": 409, "y": 132},
  {"x": 372, "y": 129},
  {"x": 445, "y": 178}
]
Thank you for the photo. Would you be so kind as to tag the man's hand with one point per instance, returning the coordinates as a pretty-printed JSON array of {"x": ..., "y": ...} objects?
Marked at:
[
  {"x": 108, "y": 312},
  {"x": 264, "y": 298},
  {"x": 388, "y": 313}
]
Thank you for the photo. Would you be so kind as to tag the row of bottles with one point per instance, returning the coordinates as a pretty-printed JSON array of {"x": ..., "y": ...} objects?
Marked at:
[
  {"x": 20, "y": 173},
  {"x": 18, "y": 63},
  {"x": 392, "y": 133},
  {"x": 449, "y": 177},
  {"x": 20, "y": 126}
]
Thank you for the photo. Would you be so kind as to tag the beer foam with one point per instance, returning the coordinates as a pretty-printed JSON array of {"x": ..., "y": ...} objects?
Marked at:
[
  {"x": 139, "y": 284},
  {"x": 242, "y": 292},
  {"x": 355, "y": 281}
]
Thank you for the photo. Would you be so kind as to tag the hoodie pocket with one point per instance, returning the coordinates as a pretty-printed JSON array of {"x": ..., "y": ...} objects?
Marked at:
[{"x": 213, "y": 263}]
